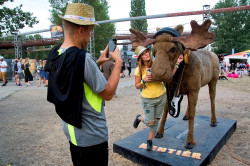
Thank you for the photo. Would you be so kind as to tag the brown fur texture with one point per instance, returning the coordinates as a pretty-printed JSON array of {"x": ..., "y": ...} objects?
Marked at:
[
  {"x": 199, "y": 38},
  {"x": 202, "y": 69}
]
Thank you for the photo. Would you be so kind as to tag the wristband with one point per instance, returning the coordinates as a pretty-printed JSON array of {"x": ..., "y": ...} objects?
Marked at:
[
  {"x": 177, "y": 65},
  {"x": 142, "y": 81}
]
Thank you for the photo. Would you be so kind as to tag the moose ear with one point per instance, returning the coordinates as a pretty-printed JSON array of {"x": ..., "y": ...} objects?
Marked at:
[{"x": 179, "y": 28}]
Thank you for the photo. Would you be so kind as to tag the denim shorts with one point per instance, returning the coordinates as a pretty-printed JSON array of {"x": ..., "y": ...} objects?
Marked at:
[
  {"x": 153, "y": 107},
  {"x": 46, "y": 75}
]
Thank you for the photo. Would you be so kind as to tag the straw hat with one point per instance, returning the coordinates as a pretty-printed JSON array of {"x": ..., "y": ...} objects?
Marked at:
[
  {"x": 139, "y": 50},
  {"x": 80, "y": 14}
]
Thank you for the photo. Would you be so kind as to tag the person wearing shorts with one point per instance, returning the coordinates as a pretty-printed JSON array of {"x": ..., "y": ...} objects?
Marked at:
[{"x": 153, "y": 94}]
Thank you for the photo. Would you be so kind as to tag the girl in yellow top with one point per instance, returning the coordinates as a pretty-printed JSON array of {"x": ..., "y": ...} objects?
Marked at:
[{"x": 153, "y": 94}]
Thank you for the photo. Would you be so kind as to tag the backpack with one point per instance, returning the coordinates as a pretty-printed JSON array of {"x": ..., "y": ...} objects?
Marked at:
[
  {"x": 22, "y": 66},
  {"x": 15, "y": 67}
]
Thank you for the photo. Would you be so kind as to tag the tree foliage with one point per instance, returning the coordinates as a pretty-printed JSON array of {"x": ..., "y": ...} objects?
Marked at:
[
  {"x": 102, "y": 33},
  {"x": 138, "y": 9},
  {"x": 232, "y": 29},
  {"x": 12, "y": 20}
]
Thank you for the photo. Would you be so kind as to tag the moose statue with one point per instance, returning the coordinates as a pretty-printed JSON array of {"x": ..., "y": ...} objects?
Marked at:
[{"x": 201, "y": 68}]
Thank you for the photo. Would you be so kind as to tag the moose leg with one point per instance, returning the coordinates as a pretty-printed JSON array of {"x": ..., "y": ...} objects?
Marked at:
[
  {"x": 212, "y": 93},
  {"x": 192, "y": 101},
  {"x": 160, "y": 131},
  {"x": 186, "y": 115}
]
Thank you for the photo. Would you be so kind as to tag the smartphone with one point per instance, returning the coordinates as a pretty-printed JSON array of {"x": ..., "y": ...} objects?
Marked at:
[{"x": 112, "y": 45}]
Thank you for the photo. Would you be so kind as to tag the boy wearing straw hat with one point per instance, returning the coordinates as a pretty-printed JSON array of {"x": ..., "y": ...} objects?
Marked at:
[{"x": 77, "y": 87}]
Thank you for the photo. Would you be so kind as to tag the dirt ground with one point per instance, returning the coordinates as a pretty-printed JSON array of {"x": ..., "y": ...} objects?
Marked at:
[{"x": 31, "y": 132}]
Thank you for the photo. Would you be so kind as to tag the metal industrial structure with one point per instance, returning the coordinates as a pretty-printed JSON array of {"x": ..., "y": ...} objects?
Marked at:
[
  {"x": 205, "y": 12},
  {"x": 18, "y": 46}
]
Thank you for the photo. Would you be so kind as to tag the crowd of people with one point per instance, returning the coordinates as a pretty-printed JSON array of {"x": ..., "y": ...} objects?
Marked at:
[
  {"x": 22, "y": 72},
  {"x": 236, "y": 70}
]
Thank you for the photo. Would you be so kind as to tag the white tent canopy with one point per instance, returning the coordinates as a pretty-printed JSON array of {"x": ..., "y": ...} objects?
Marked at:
[{"x": 241, "y": 56}]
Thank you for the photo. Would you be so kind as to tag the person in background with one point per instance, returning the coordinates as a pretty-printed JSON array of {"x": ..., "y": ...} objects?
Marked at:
[
  {"x": 3, "y": 69},
  {"x": 129, "y": 67},
  {"x": 229, "y": 67},
  {"x": 46, "y": 74},
  {"x": 38, "y": 68},
  {"x": 78, "y": 88},
  {"x": 42, "y": 75},
  {"x": 27, "y": 75},
  {"x": 122, "y": 74},
  {"x": 107, "y": 68},
  {"x": 20, "y": 72},
  {"x": 15, "y": 71}
]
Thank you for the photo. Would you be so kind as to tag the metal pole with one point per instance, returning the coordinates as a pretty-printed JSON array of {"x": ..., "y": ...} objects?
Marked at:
[
  {"x": 91, "y": 45},
  {"x": 18, "y": 47},
  {"x": 206, "y": 15},
  {"x": 221, "y": 10},
  {"x": 206, "y": 12}
]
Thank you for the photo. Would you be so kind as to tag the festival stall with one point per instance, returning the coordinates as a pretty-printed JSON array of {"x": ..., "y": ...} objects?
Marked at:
[{"x": 245, "y": 55}]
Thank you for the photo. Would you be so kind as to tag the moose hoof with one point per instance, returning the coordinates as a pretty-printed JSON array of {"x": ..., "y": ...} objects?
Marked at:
[
  {"x": 213, "y": 124},
  {"x": 185, "y": 118},
  {"x": 189, "y": 146},
  {"x": 158, "y": 135}
]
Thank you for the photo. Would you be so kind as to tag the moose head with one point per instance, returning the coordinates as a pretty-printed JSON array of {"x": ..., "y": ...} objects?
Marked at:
[{"x": 168, "y": 44}]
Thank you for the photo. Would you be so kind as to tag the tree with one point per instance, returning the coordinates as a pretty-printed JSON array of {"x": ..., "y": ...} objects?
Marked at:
[
  {"x": 12, "y": 20},
  {"x": 138, "y": 9},
  {"x": 232, "y": 29},
  {"x": 102, "y": 33}
]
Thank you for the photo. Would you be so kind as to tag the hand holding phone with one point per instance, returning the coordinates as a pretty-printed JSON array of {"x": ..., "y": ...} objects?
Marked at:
[{"x": 112, "y": 46}]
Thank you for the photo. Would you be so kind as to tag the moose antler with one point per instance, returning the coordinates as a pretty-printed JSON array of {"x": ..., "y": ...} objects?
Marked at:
[
  {"x": 138, "y": 38},
  {"x": 199, "y": 38}
]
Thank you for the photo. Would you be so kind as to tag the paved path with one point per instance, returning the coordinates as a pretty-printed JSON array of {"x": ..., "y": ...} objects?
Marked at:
[{"x": 11, "y": 87}]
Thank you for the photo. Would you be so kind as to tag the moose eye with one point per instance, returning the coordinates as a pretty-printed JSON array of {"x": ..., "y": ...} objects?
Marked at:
[{"x": 172, "y": 50}]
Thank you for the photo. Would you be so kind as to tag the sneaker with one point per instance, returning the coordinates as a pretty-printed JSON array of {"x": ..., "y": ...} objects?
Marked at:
[
  {"x": 4, "y": 85},
  {"x": 19, "y": 84},
  {"x": 6, "y": 82},
  {"x": 137, "y": 121},
  {"x": 149, "y": 145}
]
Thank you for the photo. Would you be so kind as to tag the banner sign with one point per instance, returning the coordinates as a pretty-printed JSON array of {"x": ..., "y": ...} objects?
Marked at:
[{"x": 56, "y": 31}]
